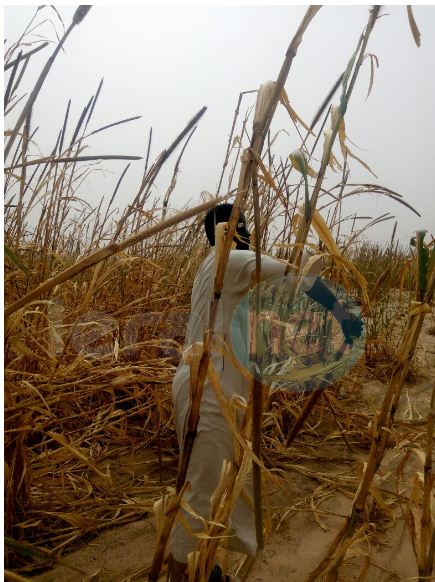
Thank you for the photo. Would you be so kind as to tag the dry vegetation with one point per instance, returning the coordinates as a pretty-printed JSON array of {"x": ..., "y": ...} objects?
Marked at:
[{"x": 96, "y": 311}]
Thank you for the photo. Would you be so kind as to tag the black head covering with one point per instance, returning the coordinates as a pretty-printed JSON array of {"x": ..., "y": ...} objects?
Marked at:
[{"x": 221, "y": 213}]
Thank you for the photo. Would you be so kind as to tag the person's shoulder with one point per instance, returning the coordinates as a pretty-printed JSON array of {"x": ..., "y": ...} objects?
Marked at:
[
  {"x": 242, "y": 254},
  {"x": 239, "y": 257},
  {"x": 205, "y": 266}
]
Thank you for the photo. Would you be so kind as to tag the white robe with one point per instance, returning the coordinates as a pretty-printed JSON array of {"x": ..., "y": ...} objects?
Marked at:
[{"x": 214, "y": 441}]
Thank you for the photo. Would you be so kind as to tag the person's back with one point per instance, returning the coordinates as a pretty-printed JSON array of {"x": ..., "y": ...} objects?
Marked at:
[
  {"x": 235, "y": 287},
  {"x": 231, "y": 325}
]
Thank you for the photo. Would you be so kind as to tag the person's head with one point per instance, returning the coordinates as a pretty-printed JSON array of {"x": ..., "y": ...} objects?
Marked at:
[{"x": 221, "y": 213}]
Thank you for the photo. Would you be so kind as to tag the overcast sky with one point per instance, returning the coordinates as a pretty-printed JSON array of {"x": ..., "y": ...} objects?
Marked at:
[{"x": 164, "y": 63}]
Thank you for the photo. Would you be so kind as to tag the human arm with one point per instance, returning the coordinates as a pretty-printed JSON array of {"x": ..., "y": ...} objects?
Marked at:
[{"x": 351, "y": 325}]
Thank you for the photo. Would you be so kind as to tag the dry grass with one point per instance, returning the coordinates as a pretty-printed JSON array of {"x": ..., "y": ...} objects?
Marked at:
[{"x": 89, "y": 359}]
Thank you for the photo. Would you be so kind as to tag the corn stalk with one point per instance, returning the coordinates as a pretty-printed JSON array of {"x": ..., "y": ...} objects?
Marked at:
[{"x": 305, "y": 222}]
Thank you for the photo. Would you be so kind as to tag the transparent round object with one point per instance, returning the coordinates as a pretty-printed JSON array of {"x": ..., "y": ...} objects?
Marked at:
[{"x": 289, "y": 341}]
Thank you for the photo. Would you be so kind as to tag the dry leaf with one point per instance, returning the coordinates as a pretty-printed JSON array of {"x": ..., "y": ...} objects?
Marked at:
[
  {"x": 294, "y": 116},
  {"x": 62, "y": 441},
  {"x": 373, "y": 61}
]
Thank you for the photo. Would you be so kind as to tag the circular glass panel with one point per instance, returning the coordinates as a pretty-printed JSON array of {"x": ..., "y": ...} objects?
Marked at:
[{"x": 289, "y": 341}]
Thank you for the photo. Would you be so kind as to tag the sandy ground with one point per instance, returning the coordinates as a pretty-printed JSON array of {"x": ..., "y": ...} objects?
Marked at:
[{"x": 124, "y": 553}]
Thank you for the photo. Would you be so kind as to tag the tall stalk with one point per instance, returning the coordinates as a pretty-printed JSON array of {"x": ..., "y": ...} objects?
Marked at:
[
  {"x": 305, "y": 222},
  {"x": 304, "y": 226},
  {"x": 257, "y": 386}
]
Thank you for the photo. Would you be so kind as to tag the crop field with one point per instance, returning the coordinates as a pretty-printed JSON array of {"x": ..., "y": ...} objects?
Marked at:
[{"x": 95, "y": 317}]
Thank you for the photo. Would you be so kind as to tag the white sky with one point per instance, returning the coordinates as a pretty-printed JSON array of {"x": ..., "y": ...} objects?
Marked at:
[{"x": 166, "y": 62}]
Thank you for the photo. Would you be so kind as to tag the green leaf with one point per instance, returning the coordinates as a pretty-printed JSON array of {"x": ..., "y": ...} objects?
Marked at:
[
  {"x": 12, "y": 257},
  {"x": 422, "y": 261},
  {"x": 346, "y": 77},
  {"x": 300, "y": 163}
]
